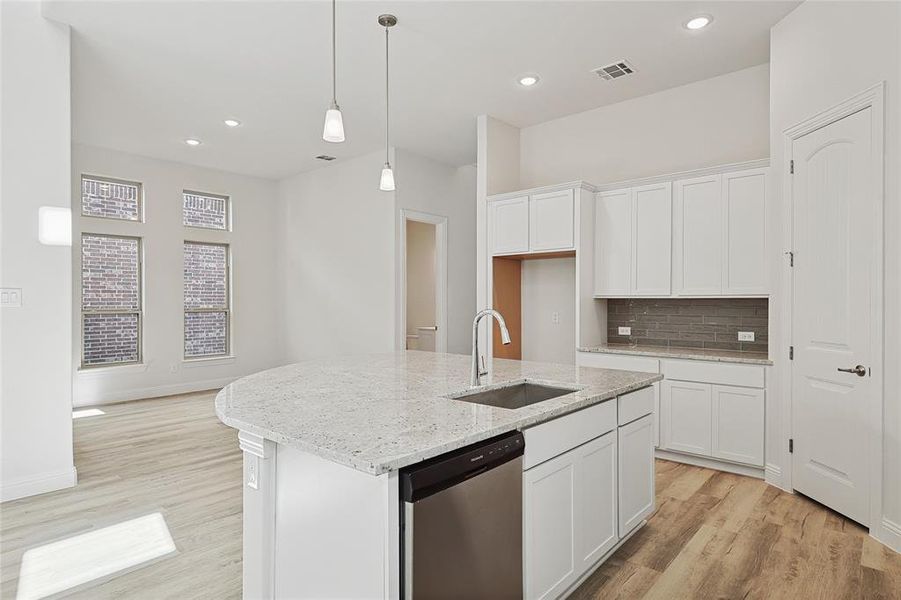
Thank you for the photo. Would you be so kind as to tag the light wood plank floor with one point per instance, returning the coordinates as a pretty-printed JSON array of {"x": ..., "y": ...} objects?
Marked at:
[{"x": 715, "y": 535}]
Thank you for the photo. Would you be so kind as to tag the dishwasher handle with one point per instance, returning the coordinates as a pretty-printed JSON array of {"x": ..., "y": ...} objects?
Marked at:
[{"x": 437, "y": 474}]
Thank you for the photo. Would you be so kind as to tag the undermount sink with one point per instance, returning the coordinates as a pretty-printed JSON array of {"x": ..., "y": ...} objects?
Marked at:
[{"x": 517, "y": 395}]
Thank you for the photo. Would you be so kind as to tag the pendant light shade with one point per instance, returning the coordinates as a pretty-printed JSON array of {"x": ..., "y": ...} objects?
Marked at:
[
  {"x": 333, "y": 130},
  {"x": 386, "y": 182}
]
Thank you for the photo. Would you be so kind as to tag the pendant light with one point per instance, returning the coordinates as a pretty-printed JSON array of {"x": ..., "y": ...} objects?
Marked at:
[
  {"x": 333, "y": 130},
  {"x": 386, "y": 183}
]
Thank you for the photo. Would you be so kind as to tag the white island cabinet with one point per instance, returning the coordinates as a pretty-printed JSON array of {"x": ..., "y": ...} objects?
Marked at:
[
  {"x": 588, "y": 485},
  {"x": 324, "y": 443}
]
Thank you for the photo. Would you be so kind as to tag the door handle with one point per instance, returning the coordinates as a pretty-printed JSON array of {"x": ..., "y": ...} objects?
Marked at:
[{"x": 859, "y": 370}]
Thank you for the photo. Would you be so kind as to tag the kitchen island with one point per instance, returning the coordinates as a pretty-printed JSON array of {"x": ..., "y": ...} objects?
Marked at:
[{"x": 323, "y": 442}]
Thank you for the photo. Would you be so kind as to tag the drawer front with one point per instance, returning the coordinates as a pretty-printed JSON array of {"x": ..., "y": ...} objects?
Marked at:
[
  {"x": 600, "y": 360},
  {"x": 715, "y": 373},
  {"x": 635, "y": 405},
  {"x": 552, "y": 438}
]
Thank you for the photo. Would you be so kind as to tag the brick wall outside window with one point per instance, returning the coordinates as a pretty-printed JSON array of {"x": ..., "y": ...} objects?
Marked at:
[
  {"x": 206, "y": 299},
  {"x": 110, "y": 299},
  {"x": 207, "y": 211},
  {"x": 110, "y": 199}
]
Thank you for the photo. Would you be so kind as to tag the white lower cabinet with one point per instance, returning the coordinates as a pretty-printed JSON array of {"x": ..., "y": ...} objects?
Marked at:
[
  {"x": 715, "y": 421},
  {"x": 569, "y": 516},
  {"x": 686, "y": 416},
  {"x": 549, "y": 526},
  {"x": 636, "y": 473},
  {"x": 738, "y": 424}
]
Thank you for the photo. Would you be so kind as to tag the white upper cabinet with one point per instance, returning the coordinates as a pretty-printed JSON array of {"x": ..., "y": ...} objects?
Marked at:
[
  {"x": 632, "y": 241},
  {"x": 744, "y": 222},
  {"x": 613, "y": 243},
  {"x": 551, "y": 221},
  {"x": 509, "y": 225},
  {"x": 652, "y": 224},
  {"x": 533, "y": 222},
  {"x": 698, "y": 237},
  {"x": 703, "y": 236}
]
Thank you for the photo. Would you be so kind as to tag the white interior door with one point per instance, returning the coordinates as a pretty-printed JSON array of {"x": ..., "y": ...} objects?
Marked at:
[{"x": 834, "y": 281}]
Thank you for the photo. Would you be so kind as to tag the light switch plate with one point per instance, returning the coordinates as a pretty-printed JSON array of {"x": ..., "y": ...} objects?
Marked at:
[
  {"x": 624, "y": 330},
  {"x": 10, "y": 297},
  {"x": 745, "y": 336}
]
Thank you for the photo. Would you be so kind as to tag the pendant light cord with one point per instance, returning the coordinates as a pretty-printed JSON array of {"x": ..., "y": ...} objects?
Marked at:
[
  {"x": 387, "y": 112},
  {"x": 334, "y": 58}
]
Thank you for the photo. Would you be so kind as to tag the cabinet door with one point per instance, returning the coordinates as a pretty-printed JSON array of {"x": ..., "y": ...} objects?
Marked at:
[
  {"x": 652, "y": 225},
  {"x": 744, "y": 221},
  {"x": 551, "y": 221},
  {"x": 636, "y": 473},
  {"x": 698, "y": 236},
  {"x": 510, "y": 226},
  {"x": 549, "y": 513},
  {"x": 738, "y": 424},
  {"x": 686, "y": 412},
  {"x": 613, "y": 243},
  {"x": 595, "y": 500}
]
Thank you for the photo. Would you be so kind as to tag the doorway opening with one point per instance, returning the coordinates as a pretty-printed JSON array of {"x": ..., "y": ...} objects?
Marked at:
[{"x": 422, "y": 293}]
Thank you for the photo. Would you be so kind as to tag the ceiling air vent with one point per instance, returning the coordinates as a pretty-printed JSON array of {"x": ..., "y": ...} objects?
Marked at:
[
  {"x": 325, "y": 157},
  {"x": 614, "y": 71}
]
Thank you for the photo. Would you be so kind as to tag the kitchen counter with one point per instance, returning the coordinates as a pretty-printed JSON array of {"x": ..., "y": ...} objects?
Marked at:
[
  {"x": 731, "y": 356},
  {"x": 379, "y": 413}
]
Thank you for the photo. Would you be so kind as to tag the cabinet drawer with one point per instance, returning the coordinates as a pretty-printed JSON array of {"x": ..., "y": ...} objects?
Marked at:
[
  {"x": 552, "y": 438},
  {"x": 634, "y": 405},
  {"x": 601, "y": 360},
  {"x": 716, "y": 373}
]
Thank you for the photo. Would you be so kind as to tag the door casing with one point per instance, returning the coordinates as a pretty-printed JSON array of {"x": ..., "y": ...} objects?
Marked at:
[{"x": 873, "y": 98}]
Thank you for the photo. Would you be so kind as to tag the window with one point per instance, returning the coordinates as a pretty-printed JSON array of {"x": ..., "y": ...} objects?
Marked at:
[
  {"x": 206, "y": 281},
  {"x": 110, "y": 299},
  {"x": 205, "y": 210},
  {"x": 110, "y": 198}
]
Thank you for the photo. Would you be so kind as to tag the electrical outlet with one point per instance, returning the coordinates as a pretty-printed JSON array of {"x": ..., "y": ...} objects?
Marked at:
[
  {"x": 745, "y": 336},
  {"x": 624, "y": 331},
  {"x": 10, "y": 297},
  {"x": 555, "y": 318}
]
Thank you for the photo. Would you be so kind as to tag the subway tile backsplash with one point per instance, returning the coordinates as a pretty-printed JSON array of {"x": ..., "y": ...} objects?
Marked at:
[{"x": 711, "y": 323}]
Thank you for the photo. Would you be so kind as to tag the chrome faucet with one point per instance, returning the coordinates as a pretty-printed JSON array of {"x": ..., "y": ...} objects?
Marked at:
[{"x": 505, "y": 338}]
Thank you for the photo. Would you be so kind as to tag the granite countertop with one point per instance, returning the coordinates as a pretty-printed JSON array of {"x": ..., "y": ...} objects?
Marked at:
[
  {"x": 378, "y": 413},
  {"x": 732, "y": 356}
]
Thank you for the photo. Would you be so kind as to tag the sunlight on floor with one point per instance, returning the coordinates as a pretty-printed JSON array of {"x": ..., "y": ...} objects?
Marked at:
[
  {"x": 61, "y": 565},
  {"x": 87, "y": 412}
]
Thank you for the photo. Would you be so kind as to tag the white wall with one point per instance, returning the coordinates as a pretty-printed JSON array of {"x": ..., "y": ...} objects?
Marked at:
[
  {"x": 256, "y": 335},
  {"x": 716, "y": 121},
  {"x": 420, "y": 275},
  {"x": 36, "y": 375},
  {"x": 821, "y": 54},
  {"x": 338, "y": 234},
  {"x": 548, "y": 287},
  {"x": 431, "y": 187}
]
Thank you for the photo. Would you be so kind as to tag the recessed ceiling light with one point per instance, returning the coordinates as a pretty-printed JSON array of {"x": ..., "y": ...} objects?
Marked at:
[
  {"x": 699, "y": 22},
  {"x": 528, "y": 80},
  {"x": 232, "y": 122},
  {"x": 192, "y": 142}
]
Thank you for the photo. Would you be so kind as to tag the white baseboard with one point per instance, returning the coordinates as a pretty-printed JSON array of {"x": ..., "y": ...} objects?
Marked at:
[
  {"x": 888, "y": 533},
  {"x": 38, "y": 484},
  {"x": 773, "y": 476},
  {"x": 83, "y": 399},
  {"x": 710, "y": 463}
]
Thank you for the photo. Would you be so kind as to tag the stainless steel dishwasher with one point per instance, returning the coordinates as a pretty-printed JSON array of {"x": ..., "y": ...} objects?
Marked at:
[{"x": 461, "y": 523}]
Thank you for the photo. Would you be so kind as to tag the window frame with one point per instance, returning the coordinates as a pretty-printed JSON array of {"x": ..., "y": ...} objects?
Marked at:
[
  {"x": 105, "y": 179},
  {"x": 228, "y": 210},
  {"x": 139, "y": 312},
  {"x": 228, "y": 302}
]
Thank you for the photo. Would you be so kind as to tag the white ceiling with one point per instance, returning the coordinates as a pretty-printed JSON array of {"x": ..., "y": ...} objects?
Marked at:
[{"x": 147, "y": 75}]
